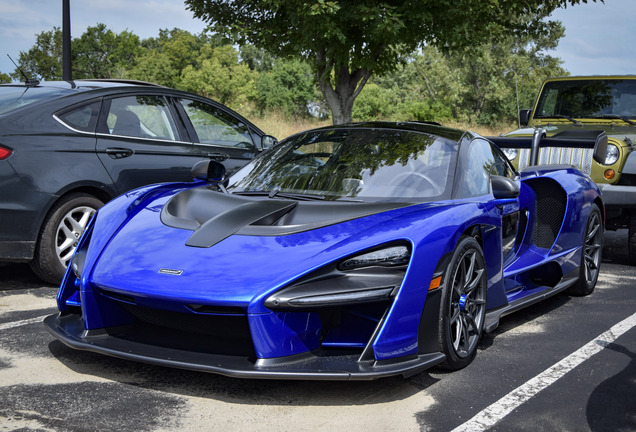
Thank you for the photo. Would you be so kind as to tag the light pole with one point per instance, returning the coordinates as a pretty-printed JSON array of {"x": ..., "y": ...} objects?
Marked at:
[{"x": 67, "y": 72}]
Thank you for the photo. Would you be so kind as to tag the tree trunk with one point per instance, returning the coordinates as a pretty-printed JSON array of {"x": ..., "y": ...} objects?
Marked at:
[{"x": 343, "y": 90}]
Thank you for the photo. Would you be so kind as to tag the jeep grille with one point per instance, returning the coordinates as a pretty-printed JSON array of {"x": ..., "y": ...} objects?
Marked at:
[{"x": 580, "y": 158}]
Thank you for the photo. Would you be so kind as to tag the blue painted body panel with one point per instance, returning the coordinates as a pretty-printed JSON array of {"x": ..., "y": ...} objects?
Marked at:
[{"x": 129, "y": 245}]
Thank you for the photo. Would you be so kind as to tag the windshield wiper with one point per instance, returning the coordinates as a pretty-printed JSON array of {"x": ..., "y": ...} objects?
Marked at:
[
  {"x": 615, "y": 116},
  {"x": 278, "y": 194},
  {"x": 573, "y": 120}
]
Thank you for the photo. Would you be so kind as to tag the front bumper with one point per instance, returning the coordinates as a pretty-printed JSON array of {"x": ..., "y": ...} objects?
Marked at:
[
  {"x": 618, "y": 195},
  {"x": 309, "y": 366}
]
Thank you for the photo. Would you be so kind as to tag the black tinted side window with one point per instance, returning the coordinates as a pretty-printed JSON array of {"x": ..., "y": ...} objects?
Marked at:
[{"x": 83, "y": 118}]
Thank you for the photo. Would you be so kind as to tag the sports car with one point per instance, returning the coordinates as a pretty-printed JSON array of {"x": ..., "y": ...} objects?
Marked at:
[{"x": 346, "y": 252}]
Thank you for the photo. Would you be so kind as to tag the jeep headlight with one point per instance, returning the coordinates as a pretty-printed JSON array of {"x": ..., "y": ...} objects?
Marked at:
[
  {"x": 612, "y": 155},
  {"x": 511, "y": 153}
]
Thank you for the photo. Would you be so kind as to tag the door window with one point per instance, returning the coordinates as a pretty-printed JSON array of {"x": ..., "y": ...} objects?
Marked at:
[
  {"x": 142, "y": 116},
  {"x": 214, "y": 126},
  {"x": 502, "y": 165},
  {"x": 83, "y": 118},
  {"x": 479, "y": 165}
]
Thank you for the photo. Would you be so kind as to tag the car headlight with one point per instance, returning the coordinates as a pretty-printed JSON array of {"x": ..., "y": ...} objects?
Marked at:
[
  {"x": 511, "y": 153},
  {"x": 390, "y": 256},
  {"x": 368, "y": 277},
  {"x": 612, "y": 155}
]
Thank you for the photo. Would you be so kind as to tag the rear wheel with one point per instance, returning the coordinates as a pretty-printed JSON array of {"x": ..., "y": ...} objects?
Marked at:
[
  {"x": 60, "y": 233},
  {"x": 463, "y": 305},
  {"x": 591, "y": 254}
]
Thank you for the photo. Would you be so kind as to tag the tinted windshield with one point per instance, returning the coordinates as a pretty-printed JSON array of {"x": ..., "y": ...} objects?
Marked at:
[
  {"x": 588, "y": 98},
  {"x": 14, "y": 97},
  {"x": 363, "y": 164}
]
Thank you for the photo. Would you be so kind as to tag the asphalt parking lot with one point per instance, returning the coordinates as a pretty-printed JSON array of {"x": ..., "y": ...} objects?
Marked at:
[{"x": 566, "y": 364}]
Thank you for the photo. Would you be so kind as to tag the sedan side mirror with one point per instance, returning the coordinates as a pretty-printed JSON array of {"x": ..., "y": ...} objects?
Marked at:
[
  {"x": 503, "y": 187},
  {"x": 267, "y": 142},
  {"x": 209, "y": 170}
]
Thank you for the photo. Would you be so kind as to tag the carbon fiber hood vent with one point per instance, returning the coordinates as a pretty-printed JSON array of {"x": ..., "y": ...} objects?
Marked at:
[{"x": 214, "y": 216}]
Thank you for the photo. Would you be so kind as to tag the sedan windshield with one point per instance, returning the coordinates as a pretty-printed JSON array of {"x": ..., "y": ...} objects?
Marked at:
[{"x": 359, "y": 164}]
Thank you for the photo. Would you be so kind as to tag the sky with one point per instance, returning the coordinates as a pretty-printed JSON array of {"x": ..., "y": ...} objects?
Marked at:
[{"x": 598, "y": 41}]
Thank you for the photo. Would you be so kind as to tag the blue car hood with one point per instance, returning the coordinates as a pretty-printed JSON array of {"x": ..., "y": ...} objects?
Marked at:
[{"x": 148, "y": 259}]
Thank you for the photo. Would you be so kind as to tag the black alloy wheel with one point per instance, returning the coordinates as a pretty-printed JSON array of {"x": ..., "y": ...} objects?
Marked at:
[
  {"x": 592, "y": 249},
  {"x": 463, "y": 305}
]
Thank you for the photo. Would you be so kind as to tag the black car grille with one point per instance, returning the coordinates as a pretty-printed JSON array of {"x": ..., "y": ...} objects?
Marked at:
[{"x": 215, "y": 334}]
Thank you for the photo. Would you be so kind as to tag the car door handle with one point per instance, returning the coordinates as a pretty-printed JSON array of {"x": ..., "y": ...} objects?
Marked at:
[
  {"x": 217, "y": 156},
  {"x": 119, "y": 153}
]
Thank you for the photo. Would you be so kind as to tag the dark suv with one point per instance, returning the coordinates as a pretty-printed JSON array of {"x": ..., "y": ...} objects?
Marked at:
[{"x": 68, "y": 147}]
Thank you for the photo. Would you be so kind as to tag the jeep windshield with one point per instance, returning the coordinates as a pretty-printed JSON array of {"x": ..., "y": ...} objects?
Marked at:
[
  {"x": 588, "y": 99},
  {"x": 353, "y": 165}
]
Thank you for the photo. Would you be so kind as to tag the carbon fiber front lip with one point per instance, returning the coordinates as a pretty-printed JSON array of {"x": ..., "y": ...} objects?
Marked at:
[{"x": 70, "y": 330}]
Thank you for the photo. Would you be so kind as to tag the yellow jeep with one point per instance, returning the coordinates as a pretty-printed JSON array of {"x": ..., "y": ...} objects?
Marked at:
[{"x": 590, "y": 105}]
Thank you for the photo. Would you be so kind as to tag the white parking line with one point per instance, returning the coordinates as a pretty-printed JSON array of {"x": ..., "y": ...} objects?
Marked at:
[
  {"x": 488, "y": 417},
  {"x": 612, "y": 277},
  {"x": 9, "y": 325}
]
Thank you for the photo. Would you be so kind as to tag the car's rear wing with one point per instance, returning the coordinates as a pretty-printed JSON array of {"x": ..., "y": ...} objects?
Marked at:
[{"x": 584, "y": 139}]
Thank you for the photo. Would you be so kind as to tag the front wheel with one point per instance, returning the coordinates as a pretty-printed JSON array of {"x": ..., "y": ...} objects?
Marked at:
[
  {"x": 591, "y": 254},
  {"x": 463, "y": 305},
  {"x": 60, "y": 233}
]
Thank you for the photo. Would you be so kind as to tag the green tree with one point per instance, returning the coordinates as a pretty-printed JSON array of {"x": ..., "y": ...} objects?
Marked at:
[
  {"x": 220, "y": 76},
  {"x": 4, "y": 78},
  {"x": 348, "y": 40},
  {"x": 256, "y": 59},
  {"x": 44, "y": 59},
  {"x": 484, "y": 84},
  {"x": 375, "y": 103},
  {"x": 155, "y": 67},
  {"x": 163, "y": 59},
  {"x": 101, "y": 53},
  {"x": 288, "y": 88}
]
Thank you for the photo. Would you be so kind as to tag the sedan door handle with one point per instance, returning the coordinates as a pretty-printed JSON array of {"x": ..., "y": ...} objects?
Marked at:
[
  {"x": 119, "y": 153},
  {"x": 217, "y": 156}
]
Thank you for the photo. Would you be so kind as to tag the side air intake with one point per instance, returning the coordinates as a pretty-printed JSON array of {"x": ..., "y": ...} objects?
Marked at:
[{"x": 551, "y": 204}]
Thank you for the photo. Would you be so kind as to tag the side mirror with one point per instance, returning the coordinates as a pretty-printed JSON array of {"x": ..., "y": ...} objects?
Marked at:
[
  {"x": 600, "y": 148},
  {"x": 267, "y": 142},
  {"x": 524, "y": 117},
  {"x": 503, "y": 187},
  {"x": 209, "y": 170}
]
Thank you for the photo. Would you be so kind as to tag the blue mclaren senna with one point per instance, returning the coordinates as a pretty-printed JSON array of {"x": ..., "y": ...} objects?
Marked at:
[{"x": 346, "y": 252}]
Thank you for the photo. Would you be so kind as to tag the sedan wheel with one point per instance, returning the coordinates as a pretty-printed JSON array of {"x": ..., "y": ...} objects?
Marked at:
[
  {"x": 60, "y": 234},
  {"x": 69, "y": 231},
  {"x": 463, "y": 306}
]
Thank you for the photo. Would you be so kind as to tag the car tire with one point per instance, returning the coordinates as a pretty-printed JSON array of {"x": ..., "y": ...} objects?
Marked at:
[
  {"x": 59, "y": 234},
  {"x": 463, "y": 304},
  {"x": 592, "y": 249},
  {"x": 631, "y": 240}
]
